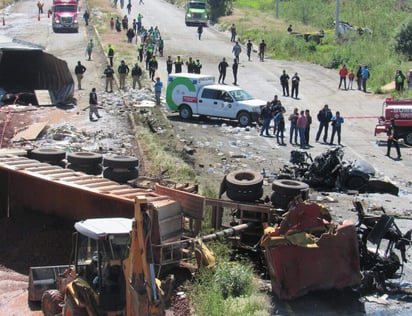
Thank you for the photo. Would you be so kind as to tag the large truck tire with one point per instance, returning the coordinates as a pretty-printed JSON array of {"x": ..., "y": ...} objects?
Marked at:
[
  {"x": 72, "y": 309},
  {"x": 121, "y": 162},
  {"x": 88, "y": 169},
  {"x": 408, "y": 139},
  {"x": 84, "y": 158},
  {"x": 120, "y": 175},
  {"x": 244, "y": 180},
  {"x": 48, "y": 154},
  {"x": 289, "y": 187},
  {"x": 245, "y": 196},
  {"x": 355, "y": 183},
  {"x": 51, "y": 302}
]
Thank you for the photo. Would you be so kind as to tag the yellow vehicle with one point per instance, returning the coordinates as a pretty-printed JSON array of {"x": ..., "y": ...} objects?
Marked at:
[{"x": 112, "y": 272}]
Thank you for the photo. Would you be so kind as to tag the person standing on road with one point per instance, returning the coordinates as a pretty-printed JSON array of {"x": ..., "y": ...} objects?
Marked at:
[
  {"x": 140, "y": 49},
  {"x": 234, "y": 69},
  {"x": 236, "y": 50},
  {"x": 262, "y": 47},
  {"x": 284, "y": 82},
  {"x": 324, "y": 117},
  {"x": 343, "y": 72},
  {"x": 93, "y": 105},
  {"x": 233, "y": 33},
  {"x": 169, "y": 65},
  {"x": 280, "y": 127},
  {"x": 266, "y": 116},
  {"x": 178, "y": 65},
  {"x": 153, "y": 65},
  {"x": 110, "y": 54},
  {"x": 79, "y": 70},
  {"x": 351, "y": 77},
  {"x": 293, "y": 131},
  {"x": 198, "y": 66},
  {"x": 301, "y": 125},
  {"x": 336, "y": 122},
  {"x": 123, "y": 70},
  {"x": 129, "y": 7},
  {"x": 359, "y": 77},
  {"x": 275, "y": 106},
  {"x": 136, "y": 74},
  {"x": 295, "y": 85},
  {"x": 89, "y": 49},
  {"x": 190, "y": 64},
  {"x": 365, "y": 76},
  {"x": 309, "y": 123},
  {"x": 86, "y": 17},
  {"x": 393, "y": 137},
  {"x": 249, "y": 47},
  {"x": 222, "y": 70},
  {"x": 200, "y": 31},
  {"x": 130, "y": 34},
  {"x": 158, "y": 90},
  {"x": 109, "y": 73}
]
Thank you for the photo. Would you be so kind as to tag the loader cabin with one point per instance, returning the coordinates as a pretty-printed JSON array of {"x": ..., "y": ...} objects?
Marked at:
[{"x": 101, "y": 245}]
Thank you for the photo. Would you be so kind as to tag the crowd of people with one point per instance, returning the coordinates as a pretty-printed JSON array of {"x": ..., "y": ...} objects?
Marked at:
[{"x": 300, "y": 122}]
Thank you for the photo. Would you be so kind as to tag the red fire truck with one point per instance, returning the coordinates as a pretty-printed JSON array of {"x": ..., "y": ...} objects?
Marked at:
[
  {"x": 65, "y": 16},
  {"x": 401, "y": 111}
]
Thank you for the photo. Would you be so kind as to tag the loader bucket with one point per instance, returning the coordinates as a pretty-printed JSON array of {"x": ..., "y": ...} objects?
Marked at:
[{"x": 42, "y": 279}]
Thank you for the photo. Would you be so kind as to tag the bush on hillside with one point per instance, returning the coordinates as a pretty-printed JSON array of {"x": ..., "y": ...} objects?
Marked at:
[{"x": 403, "y": 40}]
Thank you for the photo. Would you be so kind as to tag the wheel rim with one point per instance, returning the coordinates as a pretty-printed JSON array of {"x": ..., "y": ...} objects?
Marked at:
[
  {"x": 408, "y": 139},
  {"x": 185, "y": 112},
  {"x": 244, "y": 119}
]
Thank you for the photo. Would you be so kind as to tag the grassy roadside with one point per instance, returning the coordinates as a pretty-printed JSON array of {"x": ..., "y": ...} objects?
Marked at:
[{"x": 257, "y": 20}]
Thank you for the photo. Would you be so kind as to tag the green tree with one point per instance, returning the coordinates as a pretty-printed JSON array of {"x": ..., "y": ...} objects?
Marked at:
[
  {"x": 220, "y": 8},
  {"x": 403, "y": 40}
]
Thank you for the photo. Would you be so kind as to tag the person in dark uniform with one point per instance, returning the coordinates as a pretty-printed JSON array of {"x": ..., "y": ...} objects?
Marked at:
[
  {"x": 169, "y": 65},
  {"x": 178, "y": 65},
  {"x": 234, "y": 69},
  {"x": 393, "y": 137},
  {"x": 284, "y": 82},
  {"x": 295, "y": 85},
  {"x": 79, "y": 70},
  {"x": 222, "y": 70}
]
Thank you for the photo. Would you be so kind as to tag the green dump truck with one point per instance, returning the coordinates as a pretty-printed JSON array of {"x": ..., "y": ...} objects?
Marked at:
[{"x": 196, "y": 12}]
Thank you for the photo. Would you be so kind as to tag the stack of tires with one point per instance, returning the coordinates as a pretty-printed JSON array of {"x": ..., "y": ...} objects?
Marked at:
[
  {"x": 244, "y": 186},
  {"x": 87, "y": 162},
  {"x": 285, "y": 190},
  {"x": 120, "y": 168},
  {"x": 52, "y": 156}
]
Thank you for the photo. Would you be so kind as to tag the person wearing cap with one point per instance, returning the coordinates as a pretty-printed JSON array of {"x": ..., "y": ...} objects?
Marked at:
[
  {"x": 393, "y": 137},
  {"x": 158, "y": 90},
  {"x": 295, "y": 85},
  {"x": 123, "y": 71},
  {"x": 109, "y": 72}
]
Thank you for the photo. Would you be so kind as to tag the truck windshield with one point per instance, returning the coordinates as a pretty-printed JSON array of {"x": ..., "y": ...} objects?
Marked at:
[
  {"x": 240, "y": 95},
  {"x": 197, "y": 5},
  {"x": 65, "y": 8}
]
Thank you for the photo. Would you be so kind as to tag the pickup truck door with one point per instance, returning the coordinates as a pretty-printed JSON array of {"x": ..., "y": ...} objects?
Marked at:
[{"x": 214, "y": 102}]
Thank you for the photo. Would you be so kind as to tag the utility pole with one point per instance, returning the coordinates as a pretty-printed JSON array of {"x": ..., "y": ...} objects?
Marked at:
[{"x": 337, "y": 20}]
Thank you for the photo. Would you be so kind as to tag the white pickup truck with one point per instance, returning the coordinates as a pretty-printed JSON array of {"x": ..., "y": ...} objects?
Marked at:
[{"x": 194, "y": 94}]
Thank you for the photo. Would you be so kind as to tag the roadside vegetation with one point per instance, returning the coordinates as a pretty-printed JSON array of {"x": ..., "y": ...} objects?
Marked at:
[{"x": 386, "y": 49}]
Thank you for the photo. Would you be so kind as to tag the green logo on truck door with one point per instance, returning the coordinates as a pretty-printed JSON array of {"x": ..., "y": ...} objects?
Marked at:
[{"x": 177, "y": 89}]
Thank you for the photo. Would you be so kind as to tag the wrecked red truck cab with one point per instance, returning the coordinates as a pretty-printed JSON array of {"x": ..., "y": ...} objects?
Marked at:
[{"x": 307, "y": 252}]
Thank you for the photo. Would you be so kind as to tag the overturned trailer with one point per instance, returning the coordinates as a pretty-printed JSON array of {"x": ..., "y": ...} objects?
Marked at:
[{"x": 26, "y": 68}]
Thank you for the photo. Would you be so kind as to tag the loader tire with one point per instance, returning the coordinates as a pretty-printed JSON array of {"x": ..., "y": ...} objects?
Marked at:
[
  {"x": 244, "y": 180},
  {"x": 72, "y": 309},
  {"x": 48, "y": 154},
  {"x": 84, "y": 158},
  {"x": 121, "y": 162},
  {"x": 50, "y": 302},
  {"x": 289, "y": 187}
]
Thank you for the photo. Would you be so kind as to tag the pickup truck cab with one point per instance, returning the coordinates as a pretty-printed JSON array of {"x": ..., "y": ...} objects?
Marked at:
[{"x": 194, "y": 94}]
